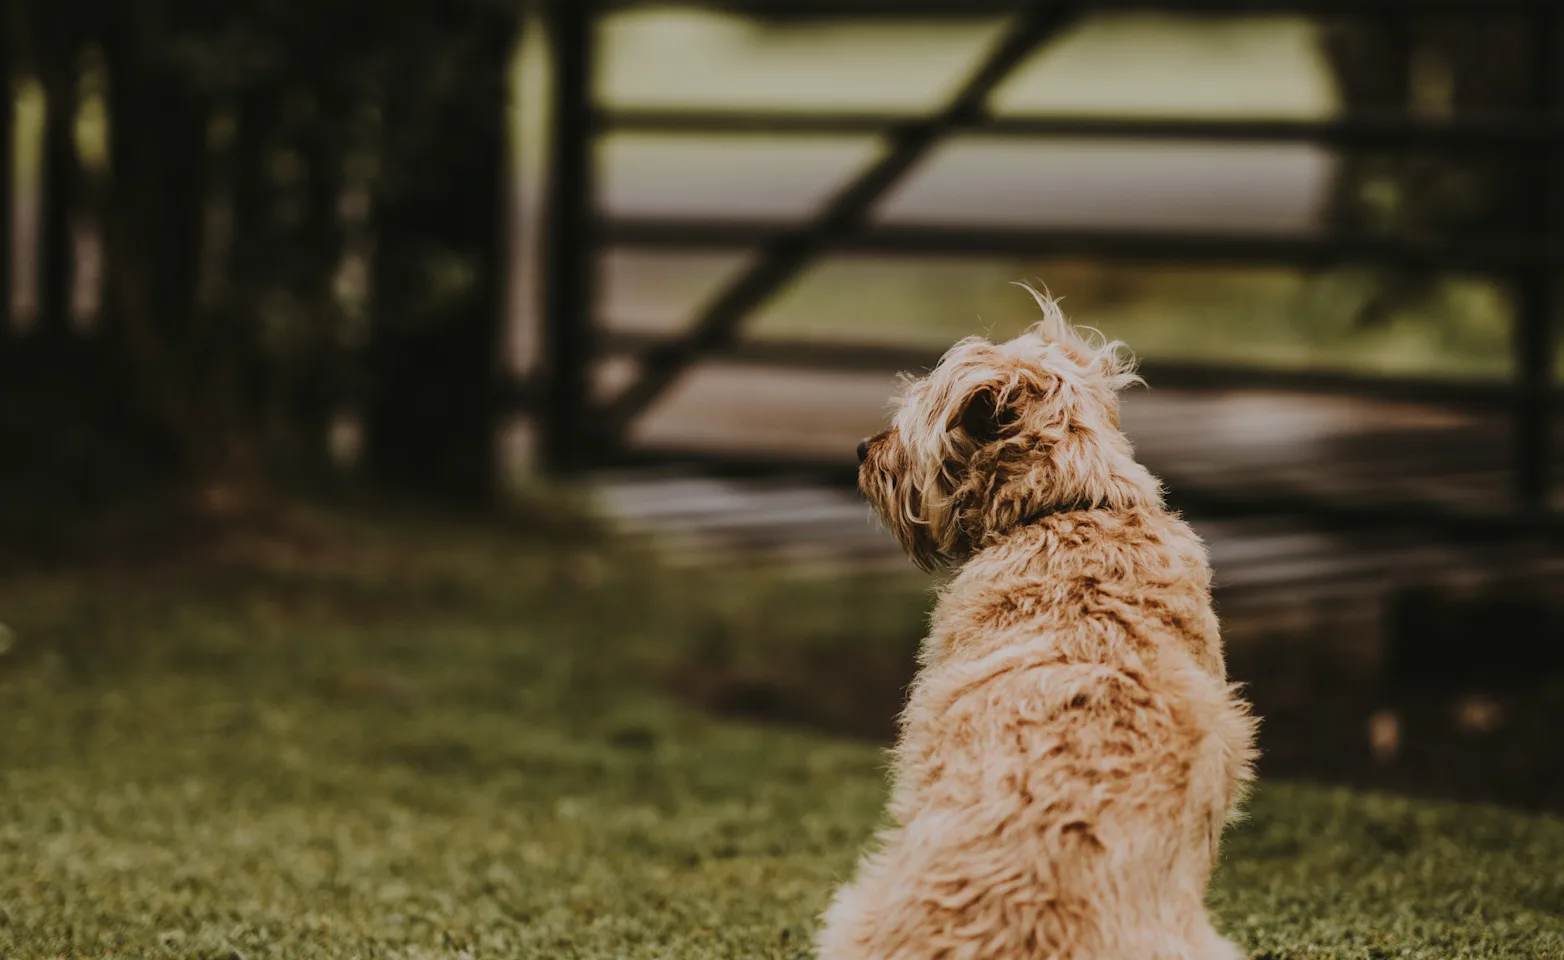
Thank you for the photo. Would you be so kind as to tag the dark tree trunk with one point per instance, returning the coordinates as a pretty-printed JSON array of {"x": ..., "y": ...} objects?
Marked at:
[
  {"x": 153, "y": 234},
  {"x": 256, "y": 245},
  {"x": 7, "y": 162},
  {"x": 315, "y": 376},
  {"x": 440, "y": 219},
  {"x": 63, "y": 424},
  {"x": 1431, "y": 67},
  {"x": 61, "y": 173},
  {"x": 1371, "y": 62}
]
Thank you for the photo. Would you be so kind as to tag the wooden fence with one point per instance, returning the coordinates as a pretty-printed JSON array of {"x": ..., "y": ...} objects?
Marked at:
[{"x": 581, "y": 434}]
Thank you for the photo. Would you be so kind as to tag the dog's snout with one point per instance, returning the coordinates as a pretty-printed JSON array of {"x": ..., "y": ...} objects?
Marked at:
[{"x": 863, "y": 450}]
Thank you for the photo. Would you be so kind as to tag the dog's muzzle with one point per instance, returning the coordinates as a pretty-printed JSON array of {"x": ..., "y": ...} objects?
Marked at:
[{"x": 863, "y": 450}]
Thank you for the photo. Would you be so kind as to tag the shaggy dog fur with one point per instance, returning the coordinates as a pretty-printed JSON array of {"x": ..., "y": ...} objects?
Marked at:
[{"x": 1071, "y": 748}]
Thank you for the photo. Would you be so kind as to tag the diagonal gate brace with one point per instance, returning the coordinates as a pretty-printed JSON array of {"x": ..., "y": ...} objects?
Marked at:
[{"x": 786, "y": 256}]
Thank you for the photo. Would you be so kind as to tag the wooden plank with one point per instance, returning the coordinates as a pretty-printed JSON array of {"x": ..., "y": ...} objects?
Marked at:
[
  {"x": 1490, "y": 255},
  {"x": 1361, "y": 131}
]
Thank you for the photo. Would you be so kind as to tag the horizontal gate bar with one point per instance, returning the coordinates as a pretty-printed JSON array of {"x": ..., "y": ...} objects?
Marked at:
[
  {"x": 1473, "y": 395},
  {"x": 1149, "y": 245},
  {"x": 1468, "y": 394},
  {"x": 1496, "y": 132},
  {"x": 967, "y": 9}
]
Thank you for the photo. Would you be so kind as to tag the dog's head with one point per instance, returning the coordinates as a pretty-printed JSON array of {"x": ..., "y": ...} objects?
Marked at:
[{"x": 999, "y": 434}]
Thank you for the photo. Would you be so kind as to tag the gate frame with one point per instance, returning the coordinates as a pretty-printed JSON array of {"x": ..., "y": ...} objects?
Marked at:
[{"x": 580, "y": 433}]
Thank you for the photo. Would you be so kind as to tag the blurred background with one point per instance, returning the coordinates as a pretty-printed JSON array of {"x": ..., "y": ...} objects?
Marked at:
[{"x": 307, "y": 309}]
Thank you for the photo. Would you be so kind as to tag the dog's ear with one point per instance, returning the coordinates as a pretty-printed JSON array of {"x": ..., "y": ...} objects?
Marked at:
[{"x": 985, "y": 412}]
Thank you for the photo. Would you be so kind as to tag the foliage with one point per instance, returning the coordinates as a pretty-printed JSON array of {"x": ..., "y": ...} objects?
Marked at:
[
  {"x": 1435, "y": 68},
  {"x": 263, "y": 157}
]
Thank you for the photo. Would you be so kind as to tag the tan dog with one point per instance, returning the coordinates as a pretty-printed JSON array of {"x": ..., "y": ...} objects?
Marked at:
[{"x": 1071, "y": 748}]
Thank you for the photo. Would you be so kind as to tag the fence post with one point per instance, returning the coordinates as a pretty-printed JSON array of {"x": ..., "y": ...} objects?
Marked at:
[
  {"x": 1537, "y": 300},
  {"x": 570, "y": 255}
]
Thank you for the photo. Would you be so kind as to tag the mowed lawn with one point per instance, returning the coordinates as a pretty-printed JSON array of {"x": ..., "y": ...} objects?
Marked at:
[{"x": 344, "y": 738}]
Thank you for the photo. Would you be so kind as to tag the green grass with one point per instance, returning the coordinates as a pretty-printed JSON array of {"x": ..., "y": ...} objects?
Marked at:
[{"x": 422, "y": 741}]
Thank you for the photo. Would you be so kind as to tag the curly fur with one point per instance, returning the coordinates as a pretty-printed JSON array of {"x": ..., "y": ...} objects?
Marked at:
[{"x": 1071, "y": 748}]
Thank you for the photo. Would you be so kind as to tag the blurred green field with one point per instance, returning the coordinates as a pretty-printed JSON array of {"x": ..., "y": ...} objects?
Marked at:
[{"x": 354, "y": 737}]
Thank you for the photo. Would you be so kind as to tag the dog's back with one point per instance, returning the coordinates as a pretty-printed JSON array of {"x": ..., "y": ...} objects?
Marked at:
[
  {"x": 1068, "y": 756},
  {"x": 1071, "y": 748}
]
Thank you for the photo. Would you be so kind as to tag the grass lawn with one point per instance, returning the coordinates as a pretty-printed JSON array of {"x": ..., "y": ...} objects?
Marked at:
[{"x": 352, "y": 739}]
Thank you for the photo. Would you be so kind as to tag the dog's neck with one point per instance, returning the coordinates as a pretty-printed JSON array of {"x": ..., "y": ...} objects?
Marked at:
[
  {"x": 1049, "y": 512},
  {"x": 1043, "y": 514},
  {"x": 1035, "y": 517}
]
